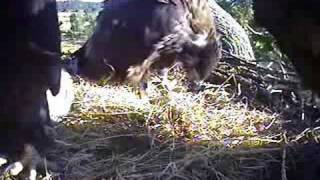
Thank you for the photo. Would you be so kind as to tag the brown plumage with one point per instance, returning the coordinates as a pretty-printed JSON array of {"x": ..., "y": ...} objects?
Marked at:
[
  {"x": 198, "y": 22},
  {"x": 135, "y": 36},
  {"x": 200, "y": 17}
]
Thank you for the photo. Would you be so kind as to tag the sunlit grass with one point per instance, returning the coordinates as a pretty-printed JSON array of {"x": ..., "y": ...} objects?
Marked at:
[
  {"x": 171, "y": 132},
  {"x": 210, "y": 115}
]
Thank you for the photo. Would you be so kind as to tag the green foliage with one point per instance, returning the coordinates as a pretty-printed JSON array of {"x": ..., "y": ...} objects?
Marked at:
[
  {"x": 81, "y": 25},
  {"x": 76, "y": 5},
  {"x": 262, "y": 42}
]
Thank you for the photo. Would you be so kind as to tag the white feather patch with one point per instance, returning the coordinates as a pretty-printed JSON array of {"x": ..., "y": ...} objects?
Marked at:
[
  {"x": 201, "y": 40},
  {"x": 60, "y": 104}
]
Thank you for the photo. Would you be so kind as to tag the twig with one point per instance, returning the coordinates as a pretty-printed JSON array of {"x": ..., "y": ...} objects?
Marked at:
[
  {"x": 255, "y": 32},
  {"x": 284, "y": 156},
  {"x": 301, "y": 135}
]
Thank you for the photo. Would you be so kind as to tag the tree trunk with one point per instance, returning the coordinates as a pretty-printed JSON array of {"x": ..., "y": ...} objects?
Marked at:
[{"x": 235, "y": 41}]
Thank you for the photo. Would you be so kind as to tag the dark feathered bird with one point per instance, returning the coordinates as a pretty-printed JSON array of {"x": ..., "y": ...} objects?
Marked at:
[
  {"x": 132, "y": 35},
  {"x": 29, "y": 67}
]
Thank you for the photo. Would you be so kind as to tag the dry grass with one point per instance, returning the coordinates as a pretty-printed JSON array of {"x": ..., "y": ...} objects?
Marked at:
[
  {"x": 171, "y": 134},
  {"x": 210, "y": 115},
  {"x": 111, "y": 133}
]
